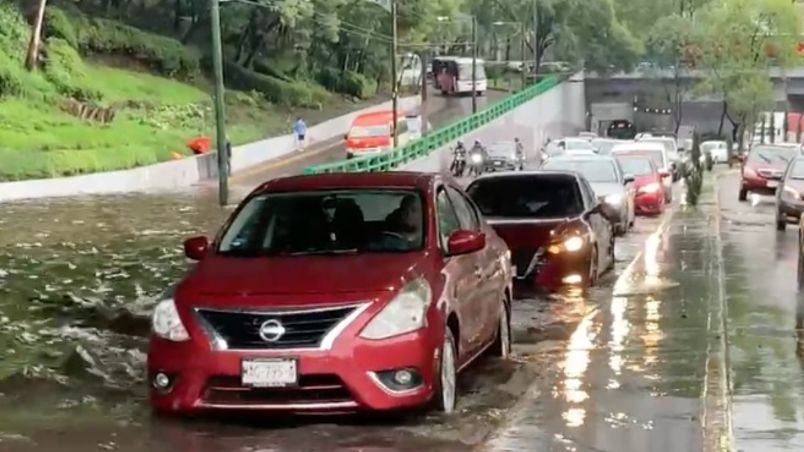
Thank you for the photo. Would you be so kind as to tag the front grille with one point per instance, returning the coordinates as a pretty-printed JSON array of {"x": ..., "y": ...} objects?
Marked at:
[
  {"x": 303, "y": 329},
  {"x": 315, "y": 388},
  {"x": 522, "y": 259}
]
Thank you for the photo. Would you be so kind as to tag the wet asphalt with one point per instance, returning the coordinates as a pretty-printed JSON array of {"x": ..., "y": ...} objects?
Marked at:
[{"x": 638, "y": 363}]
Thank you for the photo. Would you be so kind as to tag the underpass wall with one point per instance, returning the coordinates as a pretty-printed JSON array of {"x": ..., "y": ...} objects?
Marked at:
[
  {"x": 558, "y": 112},
  {"x": 184, "y": 173}
]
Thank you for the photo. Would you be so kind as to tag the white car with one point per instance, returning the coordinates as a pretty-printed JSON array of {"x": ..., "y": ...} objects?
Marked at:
[
  {"x": 671, "y": 146},
  {"x": 719, "y": 150},
  {"x": 658, "y": 153}
]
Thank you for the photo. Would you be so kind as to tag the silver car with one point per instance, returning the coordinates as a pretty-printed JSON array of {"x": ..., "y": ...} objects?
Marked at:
[
  {"x": 610, "y": 184},
  {"x": 503, "y": 156}
]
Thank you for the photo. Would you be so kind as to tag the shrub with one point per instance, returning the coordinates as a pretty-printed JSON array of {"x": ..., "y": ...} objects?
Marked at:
[
  {"x": 58, "y": 25},
  {"x": 65, "y": 69},
  {"x": 165, "y": 55},
  {"x": 294, "y": 94},
  {"x": 348, "y": 82},
  {"x": 10, "y": 80},
  {"x": 14, "y": 31}
]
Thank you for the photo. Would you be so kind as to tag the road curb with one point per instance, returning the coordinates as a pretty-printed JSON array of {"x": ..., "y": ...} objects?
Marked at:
[{"x": 716, "y": 421}]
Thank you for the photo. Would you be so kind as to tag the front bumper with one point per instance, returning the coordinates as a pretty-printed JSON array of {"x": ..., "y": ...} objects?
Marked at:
[
  {"x": 791, "y": 210},
  {"x": 649, "y": 203},
  {"x": 760, "y": 185},
  {"x": 551, "y": 271},
  {"x": 339, "y": 379}
]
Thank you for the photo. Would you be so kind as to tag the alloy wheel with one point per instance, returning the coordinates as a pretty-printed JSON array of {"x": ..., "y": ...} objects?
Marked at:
[{"x": 448, "y": 375}]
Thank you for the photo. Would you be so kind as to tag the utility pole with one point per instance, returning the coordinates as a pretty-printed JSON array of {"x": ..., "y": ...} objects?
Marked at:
[
  {"x": 474, "y": 64},
  {"x": 535, "y": 37},
  {"x": 220, "y": 112},
  {"x": 522, "y": 55},
  {"x": 395, "y": 89},
  {"x": 423, "y": 57}
]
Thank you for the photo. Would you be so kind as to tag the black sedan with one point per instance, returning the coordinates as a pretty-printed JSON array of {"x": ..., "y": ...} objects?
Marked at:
[{"x": 503, "y": 156}]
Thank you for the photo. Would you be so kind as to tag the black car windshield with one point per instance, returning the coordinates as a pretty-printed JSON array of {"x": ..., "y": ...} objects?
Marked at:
[
  {"x": 636, "y": 166},
  {"x": 797, "y": 170},
  {"x": 327, "y": 222},
  {"x": 773, "y": 155},
  {"x": 528, "y": 196},
  {"x": 594, "y": 170}
]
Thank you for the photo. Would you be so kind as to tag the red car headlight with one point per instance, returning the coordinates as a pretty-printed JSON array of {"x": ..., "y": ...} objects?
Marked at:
[
  {"x": 406, "y": 313},
  {"x": 166, "y": 322},
  {"x": 570, "y": 244}
]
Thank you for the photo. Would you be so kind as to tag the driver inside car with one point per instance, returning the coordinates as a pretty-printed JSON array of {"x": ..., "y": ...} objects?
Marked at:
[{"x": 403, "y": 230}]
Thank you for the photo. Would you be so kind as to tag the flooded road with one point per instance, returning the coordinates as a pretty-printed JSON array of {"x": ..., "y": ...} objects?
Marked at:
[
  {"x": 77, "y": 281},
  {"x": 767, "y": 373}
]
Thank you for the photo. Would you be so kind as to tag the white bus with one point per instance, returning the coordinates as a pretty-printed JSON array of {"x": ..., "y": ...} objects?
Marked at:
[{"x": 453, "y": 75}]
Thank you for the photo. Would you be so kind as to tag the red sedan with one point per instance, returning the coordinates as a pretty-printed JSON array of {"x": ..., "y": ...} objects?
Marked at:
[
  {"x": 647, "y": 182},
  {"x": 762, "y": 169},
  {"x": 558, "y": 232},
  {"x": 334, "y": 293}
]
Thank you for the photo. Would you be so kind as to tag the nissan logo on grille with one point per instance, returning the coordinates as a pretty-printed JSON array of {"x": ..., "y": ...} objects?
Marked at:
[{"x": 271, "y": 330}]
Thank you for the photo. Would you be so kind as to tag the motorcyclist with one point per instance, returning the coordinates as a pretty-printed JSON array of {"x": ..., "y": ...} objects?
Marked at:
[
  {"x": 458, "y": 159},
  {"x": 477, "y": 158}
]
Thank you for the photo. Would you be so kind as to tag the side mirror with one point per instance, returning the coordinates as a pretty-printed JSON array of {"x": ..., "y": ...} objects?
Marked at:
[
  {"x": 628, "y": 179},
  {"x": 741, "y": 157},
  {"x": 196, "y": 247},
  {"x": 465, "y": 242},
  {"x": 664, "y": 173},
  {"x": 346, "y": 137}
]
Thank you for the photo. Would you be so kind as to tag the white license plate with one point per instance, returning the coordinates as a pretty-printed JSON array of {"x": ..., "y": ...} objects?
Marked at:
[
  {"x": 773, "y": 183},
  {"x": 498, "y": 163},
  {"x": 269, "y": 373}
]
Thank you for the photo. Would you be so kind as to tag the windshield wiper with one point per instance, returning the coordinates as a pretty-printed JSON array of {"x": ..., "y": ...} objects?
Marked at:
[
  {"x": 764, "y": 157},
  {"x": 324, "y": 252}
]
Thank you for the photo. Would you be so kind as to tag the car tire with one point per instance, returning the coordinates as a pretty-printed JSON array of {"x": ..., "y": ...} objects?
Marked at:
[
  {"x": 446, "y": 395},
  {"x": 781, "y": 223},
  {"x": 502, "y": 345},
  {"x": 591, "y": 278},
  {"x": 743, "y": 194}
]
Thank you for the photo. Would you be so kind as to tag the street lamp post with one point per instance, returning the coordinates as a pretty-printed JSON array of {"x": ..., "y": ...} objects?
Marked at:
[{"x": 220, "y": 112}]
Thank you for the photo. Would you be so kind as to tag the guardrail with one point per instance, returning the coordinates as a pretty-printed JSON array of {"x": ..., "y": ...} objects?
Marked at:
[{"x": 392, "y": 158}]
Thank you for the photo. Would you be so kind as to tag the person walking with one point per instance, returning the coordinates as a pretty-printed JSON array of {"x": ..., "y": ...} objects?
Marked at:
[{"x": 300, "y": 131}]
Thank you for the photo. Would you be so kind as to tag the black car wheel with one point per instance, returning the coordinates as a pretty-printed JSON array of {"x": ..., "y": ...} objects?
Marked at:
[
  {"x": 781, "y": 222},
  {"x": 743, "y": 194},
  {"x": 591, "y": 278}
]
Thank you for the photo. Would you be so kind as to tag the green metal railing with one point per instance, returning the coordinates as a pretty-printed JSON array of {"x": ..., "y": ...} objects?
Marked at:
[{"x": 392, "y": 158}]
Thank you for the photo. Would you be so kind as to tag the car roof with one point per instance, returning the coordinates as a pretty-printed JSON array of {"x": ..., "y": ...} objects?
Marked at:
[
  {"x": 639, "y": 146},
  {"x": 580, "y": 157},
  {"x": 374, "y": 118},
  {"x": 395, "y": 179},
  {"x": 515, "y": 174}
]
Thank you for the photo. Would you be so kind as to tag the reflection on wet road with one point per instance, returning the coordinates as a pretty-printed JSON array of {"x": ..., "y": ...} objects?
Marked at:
[
  {"x": 632, "y": 373},
  {"x": 767, "y": 374}
]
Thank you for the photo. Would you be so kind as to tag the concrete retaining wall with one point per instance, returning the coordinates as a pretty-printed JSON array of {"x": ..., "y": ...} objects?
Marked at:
[
  {"x": 178, "y": 174},
  {"x": 559, "y": 112}
]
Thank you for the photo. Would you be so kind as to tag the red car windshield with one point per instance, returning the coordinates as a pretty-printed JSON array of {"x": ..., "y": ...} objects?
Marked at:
[
  {"x": 326, "y": 222},
  {"x": 772, "y": 155},
  {"x": 530, "y": 196}
]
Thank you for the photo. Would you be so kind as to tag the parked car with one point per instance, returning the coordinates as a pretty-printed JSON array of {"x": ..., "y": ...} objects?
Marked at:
[
  {"x": 658, "y": 153},
  {"x": 503, "y": 156},
  {"x": 589, "y": 136},
  {"x": 790, "y": 195},
  {"x": 337, "y": 292},
  {"x": 649, "y": 199},
  {"x": 763, "y": 167},
  {"x": 671, "y": 148},
  {"x": 556, "y": 228},
  {"x": 609, "y": 182}
]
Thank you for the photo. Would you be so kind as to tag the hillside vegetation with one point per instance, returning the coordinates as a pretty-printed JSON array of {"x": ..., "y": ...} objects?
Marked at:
[{"x": 152, "y": 86}]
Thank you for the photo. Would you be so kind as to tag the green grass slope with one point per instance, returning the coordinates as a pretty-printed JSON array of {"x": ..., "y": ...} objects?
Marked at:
[{"x": 155, "y": 83}]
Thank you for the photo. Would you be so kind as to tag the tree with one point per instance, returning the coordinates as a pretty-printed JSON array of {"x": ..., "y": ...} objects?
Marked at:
[
  {"x": 742, "y": 40},
  {"x": 666, "y": 45},
  {"x": 32, "y": 55}
]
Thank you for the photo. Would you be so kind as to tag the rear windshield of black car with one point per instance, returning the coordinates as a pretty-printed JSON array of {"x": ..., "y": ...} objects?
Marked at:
[
  {"x": 528, "y": 196},
  {"x": 772, "y": 155},
  {"x": 327, "y": 222}
]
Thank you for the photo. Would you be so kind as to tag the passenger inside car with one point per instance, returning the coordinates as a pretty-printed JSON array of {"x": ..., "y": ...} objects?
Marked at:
[{"x": 403, "y": 229}]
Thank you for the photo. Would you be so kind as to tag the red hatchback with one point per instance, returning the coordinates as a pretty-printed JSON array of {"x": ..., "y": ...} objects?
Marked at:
[
  {"x": 764, "y": 166},
  {"x": 647, "y": 182},
  {"x": 334, "y": 293},
  {"x": 553, "y": 223}
]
